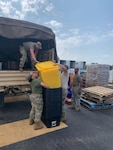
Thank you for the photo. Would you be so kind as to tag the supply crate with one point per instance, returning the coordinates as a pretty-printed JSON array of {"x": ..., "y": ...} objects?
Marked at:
[{"x": 49, "y": 73}]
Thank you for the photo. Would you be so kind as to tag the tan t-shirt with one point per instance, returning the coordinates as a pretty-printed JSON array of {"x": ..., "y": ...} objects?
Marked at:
[{"x": 76, "y": 80}]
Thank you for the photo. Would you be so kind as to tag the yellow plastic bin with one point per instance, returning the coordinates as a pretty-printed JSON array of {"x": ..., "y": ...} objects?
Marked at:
[
  {"x": 49, "y": 73},
  {"x": 45, "y": 65}
]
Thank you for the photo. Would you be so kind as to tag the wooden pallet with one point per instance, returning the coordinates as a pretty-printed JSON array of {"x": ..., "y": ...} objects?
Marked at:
[
  {"x": 83, "y": 82},
  {"x": 96, "y": 100},
  {"x": 97, "y": 93},
  {"x": 93, "y": 106}
]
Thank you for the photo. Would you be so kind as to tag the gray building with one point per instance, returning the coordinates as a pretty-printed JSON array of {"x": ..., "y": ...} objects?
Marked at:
[{"x": 74, "y": 64}]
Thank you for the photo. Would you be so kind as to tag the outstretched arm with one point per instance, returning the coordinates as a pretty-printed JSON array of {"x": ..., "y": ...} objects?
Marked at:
[
  {"x": 62, "y": 67},
  {"x": 33, "y": 55}
]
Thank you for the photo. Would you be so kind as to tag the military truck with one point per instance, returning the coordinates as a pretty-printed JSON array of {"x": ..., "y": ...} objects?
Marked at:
[{"x": 12, "y": 34}]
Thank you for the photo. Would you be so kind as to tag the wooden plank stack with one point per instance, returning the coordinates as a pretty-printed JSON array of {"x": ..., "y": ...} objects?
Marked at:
[{"x": 97, "y": 95}]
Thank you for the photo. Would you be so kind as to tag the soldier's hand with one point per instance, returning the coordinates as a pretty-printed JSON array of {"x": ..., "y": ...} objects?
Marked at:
[{"x": 36, "y": 62}]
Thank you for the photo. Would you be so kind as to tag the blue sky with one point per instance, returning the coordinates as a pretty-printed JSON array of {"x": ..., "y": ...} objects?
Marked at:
[{"x": 83, "y": 28}]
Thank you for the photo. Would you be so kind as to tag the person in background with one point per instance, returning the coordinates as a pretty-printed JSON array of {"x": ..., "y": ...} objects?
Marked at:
[
  {"x": 29, "y": 49},
  {"x": 64, "y": 85},
  {"x": 36, "y": 100},
  {"x": 69, "y": 94},
  {"x": 76, "y": 90}
]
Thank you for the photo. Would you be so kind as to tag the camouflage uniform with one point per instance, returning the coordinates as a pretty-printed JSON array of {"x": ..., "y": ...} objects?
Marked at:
[
  {"x": 75, "y": 97},
  {"x": 37, "y": 107},
  {"x": 36, "y": 100},
  {"x": 75, "y": 91},
  {"x": 23, "y": 59}
]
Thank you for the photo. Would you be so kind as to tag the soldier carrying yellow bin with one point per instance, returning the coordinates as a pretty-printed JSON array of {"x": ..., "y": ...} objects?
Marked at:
[
  {"x": 50, "y": 75},
  {"x": 36, "y": 99}
]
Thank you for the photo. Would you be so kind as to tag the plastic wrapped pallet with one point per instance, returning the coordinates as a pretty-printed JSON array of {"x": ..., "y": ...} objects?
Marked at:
[
  {"x": 97, "y": 74},
  {"x": 111, "y": 76}
]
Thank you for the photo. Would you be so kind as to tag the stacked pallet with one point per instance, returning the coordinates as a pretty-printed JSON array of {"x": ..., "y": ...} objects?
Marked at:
[
  {"x": 97, "y": 74},
  {"x": 83, "y": 81},
  {"x": 97, "y": 97}
]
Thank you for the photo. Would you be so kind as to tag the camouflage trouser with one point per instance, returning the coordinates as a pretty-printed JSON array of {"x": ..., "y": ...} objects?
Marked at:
[
  {"x": 75, "y": 96},
  {"x": 64, "y": 95},
  {"x": 37, "y": 107},
  {"x": 24, "y": 58}
]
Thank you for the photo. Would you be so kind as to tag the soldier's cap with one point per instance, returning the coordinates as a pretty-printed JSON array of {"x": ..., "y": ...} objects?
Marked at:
[{"x": 39, "y": 45}]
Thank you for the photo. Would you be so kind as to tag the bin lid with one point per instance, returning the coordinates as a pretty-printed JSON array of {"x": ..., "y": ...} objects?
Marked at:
[{"x": 44, "y": 65}]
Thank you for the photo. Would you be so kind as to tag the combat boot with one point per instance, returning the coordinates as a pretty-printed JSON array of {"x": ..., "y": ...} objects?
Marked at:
[
  {"x": 31, "y": 121},
  {"x": 72, "y": 106},
  {"x": 63, "y": 119},
  {"x": 21, "y": 69},
  {"x": 77, "y": 109},
  {"x": 38, "y": 126}
]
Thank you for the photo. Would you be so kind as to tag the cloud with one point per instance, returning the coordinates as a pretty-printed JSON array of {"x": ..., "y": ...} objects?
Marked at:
[
  {"x": 63, "y": 35},
  {"x": 110, "y": 33},
  {"x": 49, "y": 7},
  {"x": 74, "y": 31},
  {"x": 66, "y": 45},
  {"x": 19, "y": 15},
  {"x": 72, "y": 45},
  {"x": 23, "y": 8},
  {"x": 90, "y": 38},
  {"x": 15, "y": 0},
  {"x": 6, "y": 7},
  {"x": 54, "y": 23},
  {"x": 106, "y": 56},
  {"x": 31, "y": 6}
]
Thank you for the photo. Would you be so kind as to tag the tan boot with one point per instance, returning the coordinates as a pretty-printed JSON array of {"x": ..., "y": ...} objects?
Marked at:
[
  {"x": 77, "y": 108},
  {"x": 72, "y": 107},
  {"x": 21, "y": 69},
  {"x": 38, "y": 126},
  {"x": 31, "y": 121},
  {"x": 63, "y": 119}
]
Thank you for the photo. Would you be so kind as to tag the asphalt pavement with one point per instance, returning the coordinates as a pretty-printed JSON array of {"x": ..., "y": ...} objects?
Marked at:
[{"x": 87, "y": 129}]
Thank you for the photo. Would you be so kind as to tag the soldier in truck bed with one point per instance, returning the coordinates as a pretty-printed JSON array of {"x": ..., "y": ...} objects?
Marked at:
[{"x": 29, "y": 49}]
